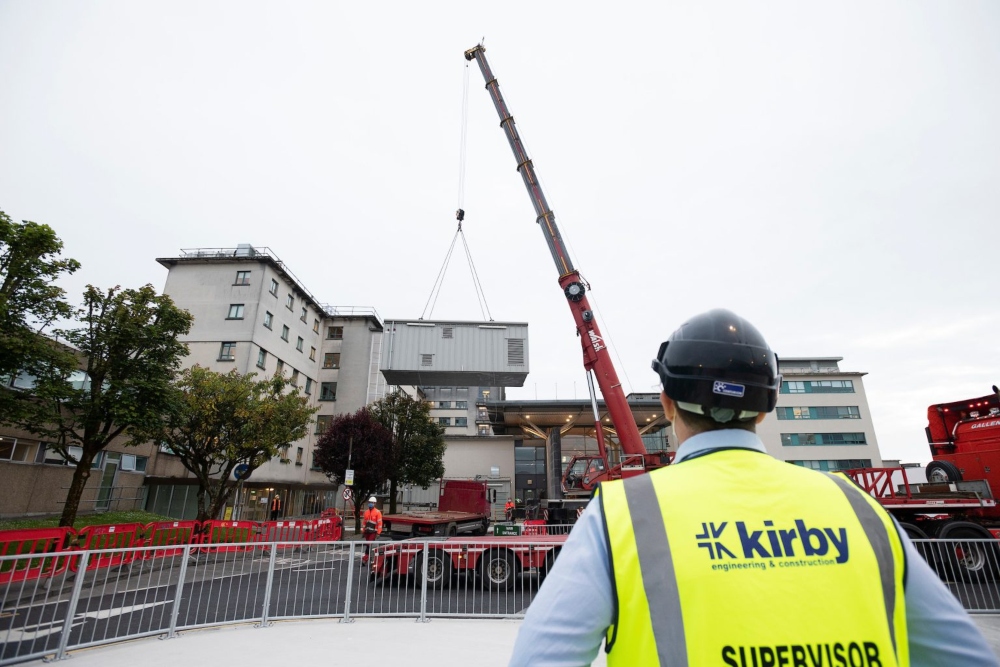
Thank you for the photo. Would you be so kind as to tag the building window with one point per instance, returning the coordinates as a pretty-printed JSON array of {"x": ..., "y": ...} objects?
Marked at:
[
  {"x": 312, "y": 354},
  {"x": 284, "y": 332},
  {"x": 315, "y": 326},
  {"x": 462, "y": 405},
  {"x": 331, "y": 360},
  {"x": 227, "y": 352},
  {"x": 12, "y": 450},
  {"x": 484, "y": 394},
  {"x": 818, "y": 387},
  {"x": 261, "y": 358},
  {"x": 529, "y": 460},
  {"x": 289, "y": 302},
  {"x": 268, "y": 319},
  {"x": 295, "y": 378},
  {"x": 133, "y": 463},
  {"x": 444, "y": 404},
  {"x": 235, "y": 311},
  {"x": 820, "y": 412},
  {"x": 298, "y": 344},
  {"x": 833, "y": 465},
  {"x": 298, "y": 456},
  {"x": 322, "y": 423},
  {"x": 444, "y": 421},
  {"x": 461, "y": 421},
  {"x": 279, "y": 369},
  {"x": 820, "y": 439},
  {"x": 242, "y": 278},
  {"x": 484, "y": 430},
  {"x": 309, "y": 386},
  {"x": 327, "y": 391},
  {"x": 274, "y": 287},
  {"x": 335, "y": 333},
  {"x": 304, "y": 315}
]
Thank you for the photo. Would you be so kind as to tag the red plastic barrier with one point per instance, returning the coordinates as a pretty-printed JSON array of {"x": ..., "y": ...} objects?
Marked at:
[
  {"x": 287, "y": 531},
  {"x": 218, "y": 533},
  {"x": 535, "y": 527},
  {"x": 30, "y": 542},
  {"x": 329, "y": 529},
  {"x": 169, "y": 534},
  {"x": 109, "y": 537}
]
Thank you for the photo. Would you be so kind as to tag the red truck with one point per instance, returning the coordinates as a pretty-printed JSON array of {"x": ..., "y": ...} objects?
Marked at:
[
  {"x": 463, "y": 507},
  {"x": 957, "y": 502}
]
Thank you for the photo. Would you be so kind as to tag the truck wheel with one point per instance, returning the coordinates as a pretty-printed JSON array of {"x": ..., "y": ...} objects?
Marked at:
[
  {"x": 968, "y": 558},
  {"x": 546, "y": 567},
  {"x": 438, "y": 569},
  {"x": 925, "y": 549},
  {"x": 942, "y": 472},
  {"x": 484, "y": 529},
  {"x": 452, "y": 530},
  {"x": 497, "y": 569}
]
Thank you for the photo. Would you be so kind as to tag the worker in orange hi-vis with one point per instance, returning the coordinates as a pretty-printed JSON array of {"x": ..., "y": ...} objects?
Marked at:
[
  {"x": 276, "y": 508},
  {"x": 371, "y": 526},
  {"x": 508, "y": 509}
]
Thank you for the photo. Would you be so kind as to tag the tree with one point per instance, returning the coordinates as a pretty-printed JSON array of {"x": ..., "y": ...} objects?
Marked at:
[
  {"x": 129, "y": 348},
  {"x": 417, "y": 442},
  {"x": 225, "y": 420},
  {"x": 30, "y": 301},
  {"x": 360, "y": 441}
]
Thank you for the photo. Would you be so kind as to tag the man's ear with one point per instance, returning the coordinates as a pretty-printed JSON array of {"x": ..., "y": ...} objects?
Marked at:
[{"x": 669, "y": 407}]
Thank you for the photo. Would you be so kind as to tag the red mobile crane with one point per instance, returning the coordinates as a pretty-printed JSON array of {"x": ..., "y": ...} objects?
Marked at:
[{"x": 597, "y": 362}]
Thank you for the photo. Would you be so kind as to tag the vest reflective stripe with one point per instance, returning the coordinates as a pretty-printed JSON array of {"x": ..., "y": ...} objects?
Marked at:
[
  {"x": 642, "y": 557},
  {"x": 877, "y": 535},
  {"x": 658, "y": 577}
]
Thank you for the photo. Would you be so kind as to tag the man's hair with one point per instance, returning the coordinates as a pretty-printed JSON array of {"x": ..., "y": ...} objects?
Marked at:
[{"x": 703, "y": 423}]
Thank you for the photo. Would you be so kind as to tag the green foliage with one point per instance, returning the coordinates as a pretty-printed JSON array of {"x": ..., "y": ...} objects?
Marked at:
[
  {"x": 130, "y": 351},
  {"x": 102, "y": 519},
  {"x": 223, "y": 420},
  {"x": 30, "y": 301},
  {"x": 360, "y": 442},
  {"x": 418, "y": 443}
]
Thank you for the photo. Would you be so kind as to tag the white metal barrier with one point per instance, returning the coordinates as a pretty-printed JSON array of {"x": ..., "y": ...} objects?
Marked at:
[{"x": 98, "y": 597}]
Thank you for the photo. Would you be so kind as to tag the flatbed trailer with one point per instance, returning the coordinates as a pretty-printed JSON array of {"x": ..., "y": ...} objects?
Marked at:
[
  {"x": 463, "y": 508},
  {"x": 497, "y": 563}
]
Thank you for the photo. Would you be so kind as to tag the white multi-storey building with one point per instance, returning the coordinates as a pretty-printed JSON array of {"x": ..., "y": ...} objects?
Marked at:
[
  {"x": 253, "y": 315},
  {"x": 822, "y": 420}
]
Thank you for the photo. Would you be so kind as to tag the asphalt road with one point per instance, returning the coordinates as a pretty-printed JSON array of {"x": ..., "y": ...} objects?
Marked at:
[{"x": 223, "y": 588}]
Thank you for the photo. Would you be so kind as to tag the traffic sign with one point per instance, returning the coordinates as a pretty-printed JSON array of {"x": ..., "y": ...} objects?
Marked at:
[
  {"x": 347, "y": 494},
  {"x": 242, "y": 471},
  {"x": 349, "y": 478},
  {"x": 505, "y": 530}
]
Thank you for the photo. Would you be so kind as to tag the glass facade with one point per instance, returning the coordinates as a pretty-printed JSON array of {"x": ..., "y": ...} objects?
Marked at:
[
  {"x": 830, "y": 465},
  {"x": 818, "y": 387},
  {"x": 821, "y": 412}
]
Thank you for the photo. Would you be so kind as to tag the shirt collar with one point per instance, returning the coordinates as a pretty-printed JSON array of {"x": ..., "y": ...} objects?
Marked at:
[{"x": 728, "y": 438}]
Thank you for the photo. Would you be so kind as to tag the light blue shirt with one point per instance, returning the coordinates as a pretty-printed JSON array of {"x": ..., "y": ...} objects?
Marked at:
[{"x": 566, "y": 622}]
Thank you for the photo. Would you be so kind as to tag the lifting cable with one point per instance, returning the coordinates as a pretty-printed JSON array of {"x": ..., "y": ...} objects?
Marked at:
[{"x": 484, "y": 309}]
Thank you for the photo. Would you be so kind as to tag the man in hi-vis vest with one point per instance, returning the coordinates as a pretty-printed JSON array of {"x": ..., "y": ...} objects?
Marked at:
[{"x": 730, "y": 557}]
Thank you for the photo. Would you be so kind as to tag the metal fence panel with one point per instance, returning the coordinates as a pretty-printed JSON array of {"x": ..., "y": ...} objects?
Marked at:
[{"x": 125, "y": 593}]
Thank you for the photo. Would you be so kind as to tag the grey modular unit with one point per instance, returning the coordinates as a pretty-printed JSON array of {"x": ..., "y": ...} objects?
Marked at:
[{"x": 440, "y": 353}]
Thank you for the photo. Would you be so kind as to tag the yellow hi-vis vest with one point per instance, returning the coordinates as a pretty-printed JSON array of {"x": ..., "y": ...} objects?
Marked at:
[{"x": 735, "y": 558}]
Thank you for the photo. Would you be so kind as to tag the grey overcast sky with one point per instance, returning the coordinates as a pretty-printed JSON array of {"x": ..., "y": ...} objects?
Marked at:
[{"x": 827, "y": 170}]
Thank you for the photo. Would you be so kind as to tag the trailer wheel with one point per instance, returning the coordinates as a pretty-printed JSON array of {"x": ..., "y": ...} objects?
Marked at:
[
  {"x": 438, "y": 569},
  {"x": 972, "y": 560},
  {"x": 550, "y": 560},
  {"x": 926, "y": 550},
  {"x": 943, "y": 472},
  {"x": 497, "y": 569}
]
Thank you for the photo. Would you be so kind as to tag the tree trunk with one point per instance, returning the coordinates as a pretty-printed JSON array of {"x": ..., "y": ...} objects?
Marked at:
[
  {"x": 221, "y": 498},
  {"x": 80, "y": 477},
  {"x": 393, "y": 487},
  {"x": 203, "y": 503}
]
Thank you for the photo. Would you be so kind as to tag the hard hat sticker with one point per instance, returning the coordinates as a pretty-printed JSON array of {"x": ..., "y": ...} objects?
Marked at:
[{"x": 728, "y": 389}]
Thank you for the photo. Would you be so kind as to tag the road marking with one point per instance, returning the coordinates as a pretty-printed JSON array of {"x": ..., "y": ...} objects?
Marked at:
[{"x": 108, "y": 613}]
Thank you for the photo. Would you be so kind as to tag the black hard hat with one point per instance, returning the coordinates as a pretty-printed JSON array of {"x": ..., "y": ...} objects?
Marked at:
[{"x": 720, "y": 363}]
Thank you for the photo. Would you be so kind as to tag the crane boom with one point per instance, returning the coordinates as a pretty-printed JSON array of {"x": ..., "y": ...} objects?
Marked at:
[{"x": 596, "y": 358}]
